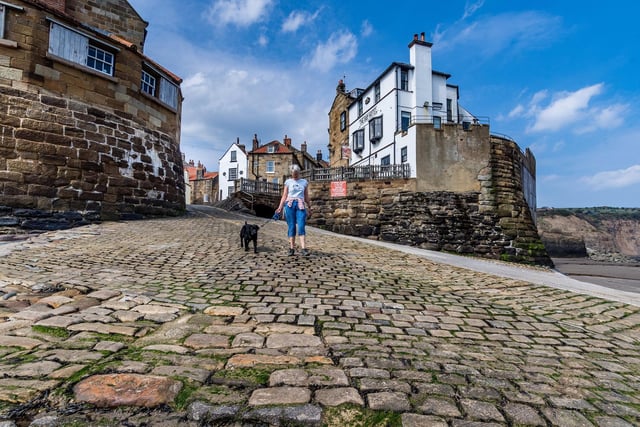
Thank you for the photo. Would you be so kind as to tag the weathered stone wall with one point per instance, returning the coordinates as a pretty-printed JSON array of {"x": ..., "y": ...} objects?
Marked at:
[
  {"x": 62, "y": 155},
  {"x": 494, "y": 222},
  {"x": 114, "y": 16}
]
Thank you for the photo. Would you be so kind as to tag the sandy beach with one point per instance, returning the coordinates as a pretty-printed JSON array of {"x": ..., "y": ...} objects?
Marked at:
[{"x": 625, "y": 277}]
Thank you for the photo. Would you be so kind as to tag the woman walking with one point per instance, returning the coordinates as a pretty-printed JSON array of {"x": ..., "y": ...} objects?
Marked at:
[{"x": 297, "y": 207}]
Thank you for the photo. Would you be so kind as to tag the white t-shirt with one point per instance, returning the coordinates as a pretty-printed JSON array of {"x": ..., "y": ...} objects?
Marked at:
[{"x": 296, "y": 188}]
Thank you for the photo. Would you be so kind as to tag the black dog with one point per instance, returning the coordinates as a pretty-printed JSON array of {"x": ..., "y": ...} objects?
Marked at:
[{"x": 249, "y": 232}]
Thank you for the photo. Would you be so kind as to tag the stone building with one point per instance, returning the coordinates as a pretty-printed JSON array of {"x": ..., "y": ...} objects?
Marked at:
[
  {"x": 467, "y": 190},
  {"x": 203, "y": 185},
  {"x": 271, "y": 162},
  {"x": 88, "y": 122}
]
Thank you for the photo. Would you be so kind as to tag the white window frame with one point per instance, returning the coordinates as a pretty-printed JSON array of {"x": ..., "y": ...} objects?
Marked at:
[
  {"x": 234, "y": 156},
  {"x": 343, "y": 120},
  {"x": 360, "y": 107},
  {"x": 148, "y": 83},
  {"x": 233, "y": 174},
  {"x": 376, "y": 92},
  {"x": 375, "y": 129},
  {"x": 271, "y": 166},
  {"x": 100, "y": 59},
  {"x": 403, "y": 155},
  {"x": 404, "y": 79},
  {"x": 358, "y": 141},
  {"x": 271, "y": 149},
  {"x": 164, "y": 90},
  {"x": 386, "y": 160}
]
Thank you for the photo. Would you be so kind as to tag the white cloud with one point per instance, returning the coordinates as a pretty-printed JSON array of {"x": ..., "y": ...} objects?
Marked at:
[
  {"x": 614, "y": 179},
  {"x": 576, "y": 111},
  {"x": 506, "y": 33},
  {"x": 366, "y": 29},
  {"x": 297, "y": 19},
  {"x": 470, "y": 9},
  {"x": 339, "y": 49},
  {"x": 565, "y": 109},
  {"x": 239, "y": 12}
]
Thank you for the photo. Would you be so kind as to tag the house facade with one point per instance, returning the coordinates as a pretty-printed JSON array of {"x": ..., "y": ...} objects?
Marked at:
[
  {"x": 202, "y": 186},
  {"x": 271, "y": 162},
  {"x": 90, "y": 123},
  {"x": 232, "y": 166}
]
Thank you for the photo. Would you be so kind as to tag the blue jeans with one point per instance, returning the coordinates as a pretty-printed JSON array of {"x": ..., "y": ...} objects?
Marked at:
[{"x": 295, "y": 217}]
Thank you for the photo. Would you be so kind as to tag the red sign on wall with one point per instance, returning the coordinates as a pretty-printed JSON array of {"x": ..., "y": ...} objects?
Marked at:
[{"x": 338, "y": 189}]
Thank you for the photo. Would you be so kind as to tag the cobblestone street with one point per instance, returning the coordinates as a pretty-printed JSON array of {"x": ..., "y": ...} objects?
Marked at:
[{"x": 169, "y": 322}]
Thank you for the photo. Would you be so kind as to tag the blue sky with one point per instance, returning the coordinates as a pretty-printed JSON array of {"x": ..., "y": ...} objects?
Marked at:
[{"x": 559, "y": 77}]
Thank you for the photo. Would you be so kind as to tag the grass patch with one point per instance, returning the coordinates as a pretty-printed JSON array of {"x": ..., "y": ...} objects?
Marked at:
[
  {"x": 355, "y": 416},
  {"x": 183, "y": 398},
  {"x": 258, "y": 376},
  {"x": 51, "y": 330}
]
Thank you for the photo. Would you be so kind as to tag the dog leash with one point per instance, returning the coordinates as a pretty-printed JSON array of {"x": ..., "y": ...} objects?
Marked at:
[{"x": 275, "y": 217}]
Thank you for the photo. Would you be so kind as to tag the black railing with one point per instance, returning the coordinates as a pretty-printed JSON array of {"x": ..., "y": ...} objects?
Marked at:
[
  {"x": 258, "y": 187},
  {"x": 354, "y": 173}
]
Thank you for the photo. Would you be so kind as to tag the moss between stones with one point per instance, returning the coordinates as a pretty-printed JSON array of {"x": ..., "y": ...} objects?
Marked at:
[{"x": 355, "y": 416}]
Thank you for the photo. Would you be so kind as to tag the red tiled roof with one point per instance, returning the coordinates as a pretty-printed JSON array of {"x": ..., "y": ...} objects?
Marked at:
[
  {"x": 280, "y": 148},
  {"x": 193, "y": 173}
]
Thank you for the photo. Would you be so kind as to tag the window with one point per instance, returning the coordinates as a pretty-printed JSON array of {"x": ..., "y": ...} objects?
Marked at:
[
  {"x": 80, "y": 49},
  {"x": 376, "y": 91},
  {"x": 271, "y": 166},
  {"x": 404, "y": 79},
  {"x": 375, "y": 129},
  {"x": 358, "y": 141},
  {"x": 343, "y": 120},
  {"x": 156, "y": 84},
  {"x": 386, "y": 160},
  {"x": 360, "y": 107},
  {"x": 148, "y": 83},
  {"x": 449, "y": 111},
  {"x": 437, "y": 122},
  {"x": 405, "y": 120},
  {"x": 4, "y": 8},
  {"x": 233, "y": 174},
  {"x": 231, "y": 189},
  {"x": 100, "y": 60},
  {"x": 234, "y": 156},
  {"x": 403, "y": 155},
  {"x": 271, "y": 148}
]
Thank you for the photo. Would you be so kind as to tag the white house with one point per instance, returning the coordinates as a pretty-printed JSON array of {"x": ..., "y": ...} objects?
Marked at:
[
  {"x": 232, "y": 166},
  {"x": 381, "y": 117}
]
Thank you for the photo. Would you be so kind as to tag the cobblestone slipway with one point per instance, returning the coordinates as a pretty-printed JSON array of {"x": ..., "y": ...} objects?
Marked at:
[{"x": 168, "y": 322}]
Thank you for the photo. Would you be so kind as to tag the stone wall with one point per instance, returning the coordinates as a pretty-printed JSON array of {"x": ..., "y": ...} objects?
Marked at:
[
  {"x": 62, "y": 155},
  {"x": 494, "y": 222}
]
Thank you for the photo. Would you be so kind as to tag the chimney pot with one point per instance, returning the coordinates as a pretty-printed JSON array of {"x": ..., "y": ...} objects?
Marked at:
[
  {"x": 422, "y": 36},
  {"x": 415, "y": 36}
]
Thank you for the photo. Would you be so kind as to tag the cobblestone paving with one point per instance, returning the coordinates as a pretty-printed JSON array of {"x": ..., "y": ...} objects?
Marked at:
[{"x": 267, "y": 339}]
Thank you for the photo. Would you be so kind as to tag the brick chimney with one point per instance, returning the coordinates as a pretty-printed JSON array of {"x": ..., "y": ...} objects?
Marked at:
[
  {"x": 303, "y": 147},
  {"x": 287, "y": 141},
  {"x": 341, "y": 88},
  {"x": 319, "y": 156},
  {"x": 255, "y": 141},
  {"x": 59, "y": 5}
]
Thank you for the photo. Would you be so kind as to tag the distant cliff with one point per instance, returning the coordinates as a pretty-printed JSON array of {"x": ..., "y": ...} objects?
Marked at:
[{"x": 602, "y": 233}]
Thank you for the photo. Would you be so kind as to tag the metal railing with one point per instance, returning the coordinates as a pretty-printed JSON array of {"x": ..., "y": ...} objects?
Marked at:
[
  {"x": 258, "y": 187},
  {"x": 353, "y": 173}
]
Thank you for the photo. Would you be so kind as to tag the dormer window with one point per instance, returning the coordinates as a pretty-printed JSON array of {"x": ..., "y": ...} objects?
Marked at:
[{"x": 271, "y": 149}]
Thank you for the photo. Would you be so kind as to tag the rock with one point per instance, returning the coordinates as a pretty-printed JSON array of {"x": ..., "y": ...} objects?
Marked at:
[{"x": 114, "y": 390}]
